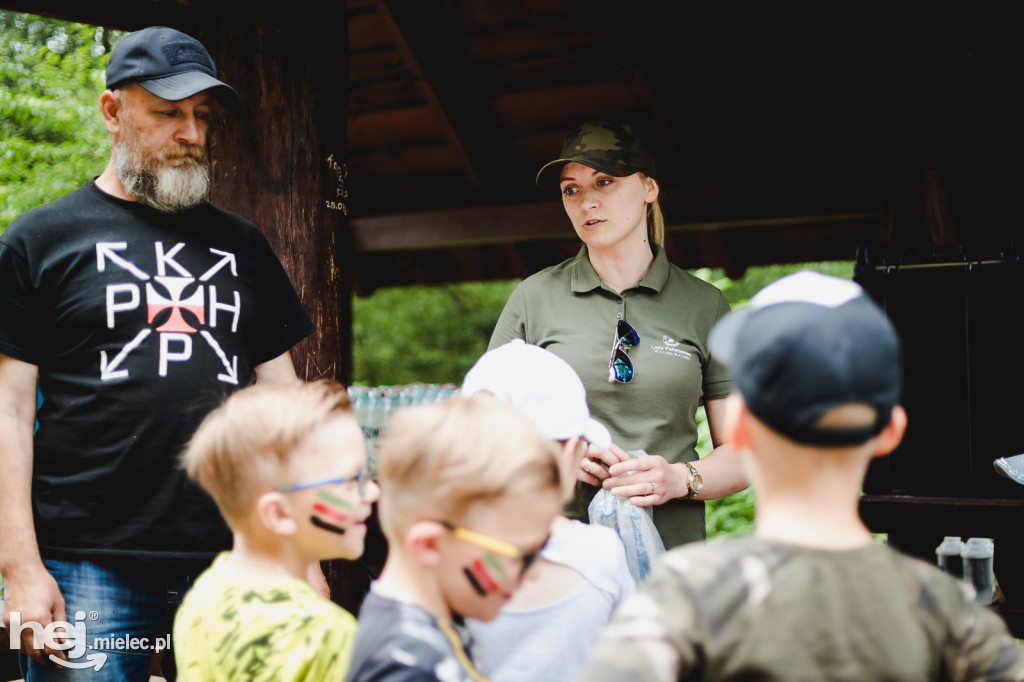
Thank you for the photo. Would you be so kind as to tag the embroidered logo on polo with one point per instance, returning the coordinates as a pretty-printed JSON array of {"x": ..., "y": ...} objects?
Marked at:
[
  {"x": 671, "y": 348},
  {"x": 167, "y": 297}
]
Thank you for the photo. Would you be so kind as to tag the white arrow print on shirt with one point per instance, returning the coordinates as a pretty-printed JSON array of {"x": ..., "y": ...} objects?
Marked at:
[
  {"x": 107, "y": 251},
  {"x": 110, "y": 371},
  {"x": 227, "y": 258},
  {"x": 230, "y": 367}
]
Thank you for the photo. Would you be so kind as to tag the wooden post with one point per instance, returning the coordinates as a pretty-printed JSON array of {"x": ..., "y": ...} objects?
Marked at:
[{"x": 281, "y": 163}]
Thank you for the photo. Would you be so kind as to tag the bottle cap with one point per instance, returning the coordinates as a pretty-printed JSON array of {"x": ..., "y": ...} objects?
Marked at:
[{"x": 978, "y": 548}]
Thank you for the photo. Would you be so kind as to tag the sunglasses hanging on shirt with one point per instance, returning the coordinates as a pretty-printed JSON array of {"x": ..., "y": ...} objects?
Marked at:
[{"x": 620, "y": 367}]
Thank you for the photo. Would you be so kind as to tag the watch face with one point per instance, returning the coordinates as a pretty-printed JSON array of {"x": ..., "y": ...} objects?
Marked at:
[{"x": 696, "y": 482}]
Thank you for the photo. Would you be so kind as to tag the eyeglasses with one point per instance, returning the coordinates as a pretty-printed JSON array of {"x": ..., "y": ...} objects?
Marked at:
[
  {"x": 620, "y": 367},
  {"x": 364, "y": 476},
  {"x": 499, "y": 547}
]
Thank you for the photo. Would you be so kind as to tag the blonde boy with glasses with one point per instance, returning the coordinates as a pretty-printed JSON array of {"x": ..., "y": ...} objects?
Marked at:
[
  {"x": 469, "y": 491},
  {"x": 287, "y": 467}
]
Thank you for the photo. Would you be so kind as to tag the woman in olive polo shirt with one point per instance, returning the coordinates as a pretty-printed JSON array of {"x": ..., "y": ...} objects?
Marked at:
[{"x": 620, "y": 298}]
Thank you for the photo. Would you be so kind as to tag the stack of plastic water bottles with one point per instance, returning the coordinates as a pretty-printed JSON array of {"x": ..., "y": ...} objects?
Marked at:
[
  {"x": 375, "y": 406},
  {"x": 972, "y": 561}
]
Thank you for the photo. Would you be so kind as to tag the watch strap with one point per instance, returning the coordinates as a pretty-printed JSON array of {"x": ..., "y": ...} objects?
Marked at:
[{"x": 694, "y": 476}]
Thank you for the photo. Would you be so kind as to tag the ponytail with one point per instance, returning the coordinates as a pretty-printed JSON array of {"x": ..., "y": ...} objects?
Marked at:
[{"x": 655, "y": 224}]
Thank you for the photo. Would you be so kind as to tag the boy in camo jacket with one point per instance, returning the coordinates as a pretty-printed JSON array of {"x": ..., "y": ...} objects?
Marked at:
[{"x": 811, "y": 595}]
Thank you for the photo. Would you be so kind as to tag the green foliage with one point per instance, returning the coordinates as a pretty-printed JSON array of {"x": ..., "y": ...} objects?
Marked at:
[
  {"x": 739, "y": 291},
  {"x": 426, "y": 334},
  {"x": 732, "y": 515},
  {"x": 52, "y": 139}
]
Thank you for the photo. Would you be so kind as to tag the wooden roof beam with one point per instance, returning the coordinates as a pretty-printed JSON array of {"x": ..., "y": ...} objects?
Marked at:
[
  {"x": 125, "y": 16},
  {"x": 731, "y": 246},
  {"x": 424, "y": 85},
  {"x": 546, "y": 221},
  {"x": 452, "y": 228},
  {"x": 428, "y": 37}
]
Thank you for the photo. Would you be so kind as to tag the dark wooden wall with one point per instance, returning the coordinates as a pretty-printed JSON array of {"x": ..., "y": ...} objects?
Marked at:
[{"x": 282, "y": 162}]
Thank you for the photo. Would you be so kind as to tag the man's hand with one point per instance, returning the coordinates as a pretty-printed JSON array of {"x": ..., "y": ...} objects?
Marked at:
[{"x": 32, "y": 593}]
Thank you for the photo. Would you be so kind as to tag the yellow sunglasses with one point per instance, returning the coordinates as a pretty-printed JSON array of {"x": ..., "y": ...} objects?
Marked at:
[{"x": 499, "y": 547}]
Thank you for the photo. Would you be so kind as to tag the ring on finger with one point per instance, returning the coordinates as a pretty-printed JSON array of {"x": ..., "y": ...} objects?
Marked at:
[
  {"x": 652, "y": 488},
  {"x": 586, "y": 466}
]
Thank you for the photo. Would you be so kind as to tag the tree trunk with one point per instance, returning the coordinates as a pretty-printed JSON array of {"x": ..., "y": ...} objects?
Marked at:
[{"x": 281, "y": 163}]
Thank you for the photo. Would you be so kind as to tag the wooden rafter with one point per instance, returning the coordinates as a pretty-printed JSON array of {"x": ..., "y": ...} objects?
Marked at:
[
  {"x": 408, "y": 53},
  {"x": 428, "y": 40}
]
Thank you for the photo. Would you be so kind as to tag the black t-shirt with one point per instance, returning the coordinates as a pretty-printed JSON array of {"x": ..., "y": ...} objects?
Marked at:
[
  {"x": 139, "y": 322},
  {"x": 401, "y": 642}
]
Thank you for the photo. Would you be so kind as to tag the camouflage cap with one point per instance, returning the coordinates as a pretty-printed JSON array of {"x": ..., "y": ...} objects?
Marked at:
[{"x": 612, "y": 148}]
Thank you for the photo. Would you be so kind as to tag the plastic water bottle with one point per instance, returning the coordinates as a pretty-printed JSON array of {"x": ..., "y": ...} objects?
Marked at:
[
  {"x": 977, "y": 556},
  {"x": 372, "y": 423},
  {"x": 948, "y": 557}
]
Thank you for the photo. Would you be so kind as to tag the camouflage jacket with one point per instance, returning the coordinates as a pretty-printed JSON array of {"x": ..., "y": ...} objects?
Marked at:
[{"x": 749, "y": 609}]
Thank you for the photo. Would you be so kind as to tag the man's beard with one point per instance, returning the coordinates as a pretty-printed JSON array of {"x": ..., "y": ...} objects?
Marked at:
[{"x": 154, "y": 180}]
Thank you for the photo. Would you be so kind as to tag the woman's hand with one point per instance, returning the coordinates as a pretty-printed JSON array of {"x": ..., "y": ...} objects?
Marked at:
[
  {"x": 593, "y": 468},
  {"x": 651, "y": 480}
]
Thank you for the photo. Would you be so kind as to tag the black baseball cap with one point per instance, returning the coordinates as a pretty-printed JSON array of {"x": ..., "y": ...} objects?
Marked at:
[
  {"x": 806, "y": 344},
  {"x": 168, "y": 63}
]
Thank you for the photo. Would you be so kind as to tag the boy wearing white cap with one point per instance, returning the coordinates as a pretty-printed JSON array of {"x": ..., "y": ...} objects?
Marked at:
[
  {"x": 811, "y": 596},
  {"x": 547, "y": 630}
]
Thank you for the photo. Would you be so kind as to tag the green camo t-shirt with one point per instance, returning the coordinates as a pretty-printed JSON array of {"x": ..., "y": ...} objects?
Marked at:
[
  {"x": 751, "y": 609},
  {"x": 571, "y": 312}
]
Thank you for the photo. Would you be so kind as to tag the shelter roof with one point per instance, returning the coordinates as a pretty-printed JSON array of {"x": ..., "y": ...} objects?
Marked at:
[{"x": 779, "y": 128}]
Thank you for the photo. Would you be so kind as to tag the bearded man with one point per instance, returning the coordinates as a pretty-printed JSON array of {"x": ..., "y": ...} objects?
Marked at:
[{"x": 129, "y": 308}]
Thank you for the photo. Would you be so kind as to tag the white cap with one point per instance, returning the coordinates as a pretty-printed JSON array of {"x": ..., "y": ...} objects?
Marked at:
[{"x": 542, "y": 386}]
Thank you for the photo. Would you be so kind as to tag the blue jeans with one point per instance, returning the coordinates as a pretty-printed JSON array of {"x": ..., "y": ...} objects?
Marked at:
[{"x": 119, "y": 619}]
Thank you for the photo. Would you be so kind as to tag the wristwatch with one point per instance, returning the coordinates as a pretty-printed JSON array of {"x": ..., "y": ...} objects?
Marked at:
[{"x": 696, "y": 483}]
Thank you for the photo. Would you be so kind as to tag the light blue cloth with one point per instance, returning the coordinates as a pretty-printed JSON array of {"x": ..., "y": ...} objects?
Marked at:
[
  {"x": 1011, "y": 467},
  {"x": 635, "y": 525}
]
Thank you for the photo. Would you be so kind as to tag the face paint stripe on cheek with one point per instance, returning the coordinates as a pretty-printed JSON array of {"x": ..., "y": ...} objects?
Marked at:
[
  {"x": 473, "y": 581},
  {"x": 482, "y": 573},
  {"x": 496, "y": 565},
  {"x": 329, "y": 512},
  {"x": 337, "y": 501},
  {"x": 326, "y": 526}
]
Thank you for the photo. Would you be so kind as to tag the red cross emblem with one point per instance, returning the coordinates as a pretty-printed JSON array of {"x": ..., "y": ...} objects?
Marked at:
[{"x": 156, "y": 303}]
